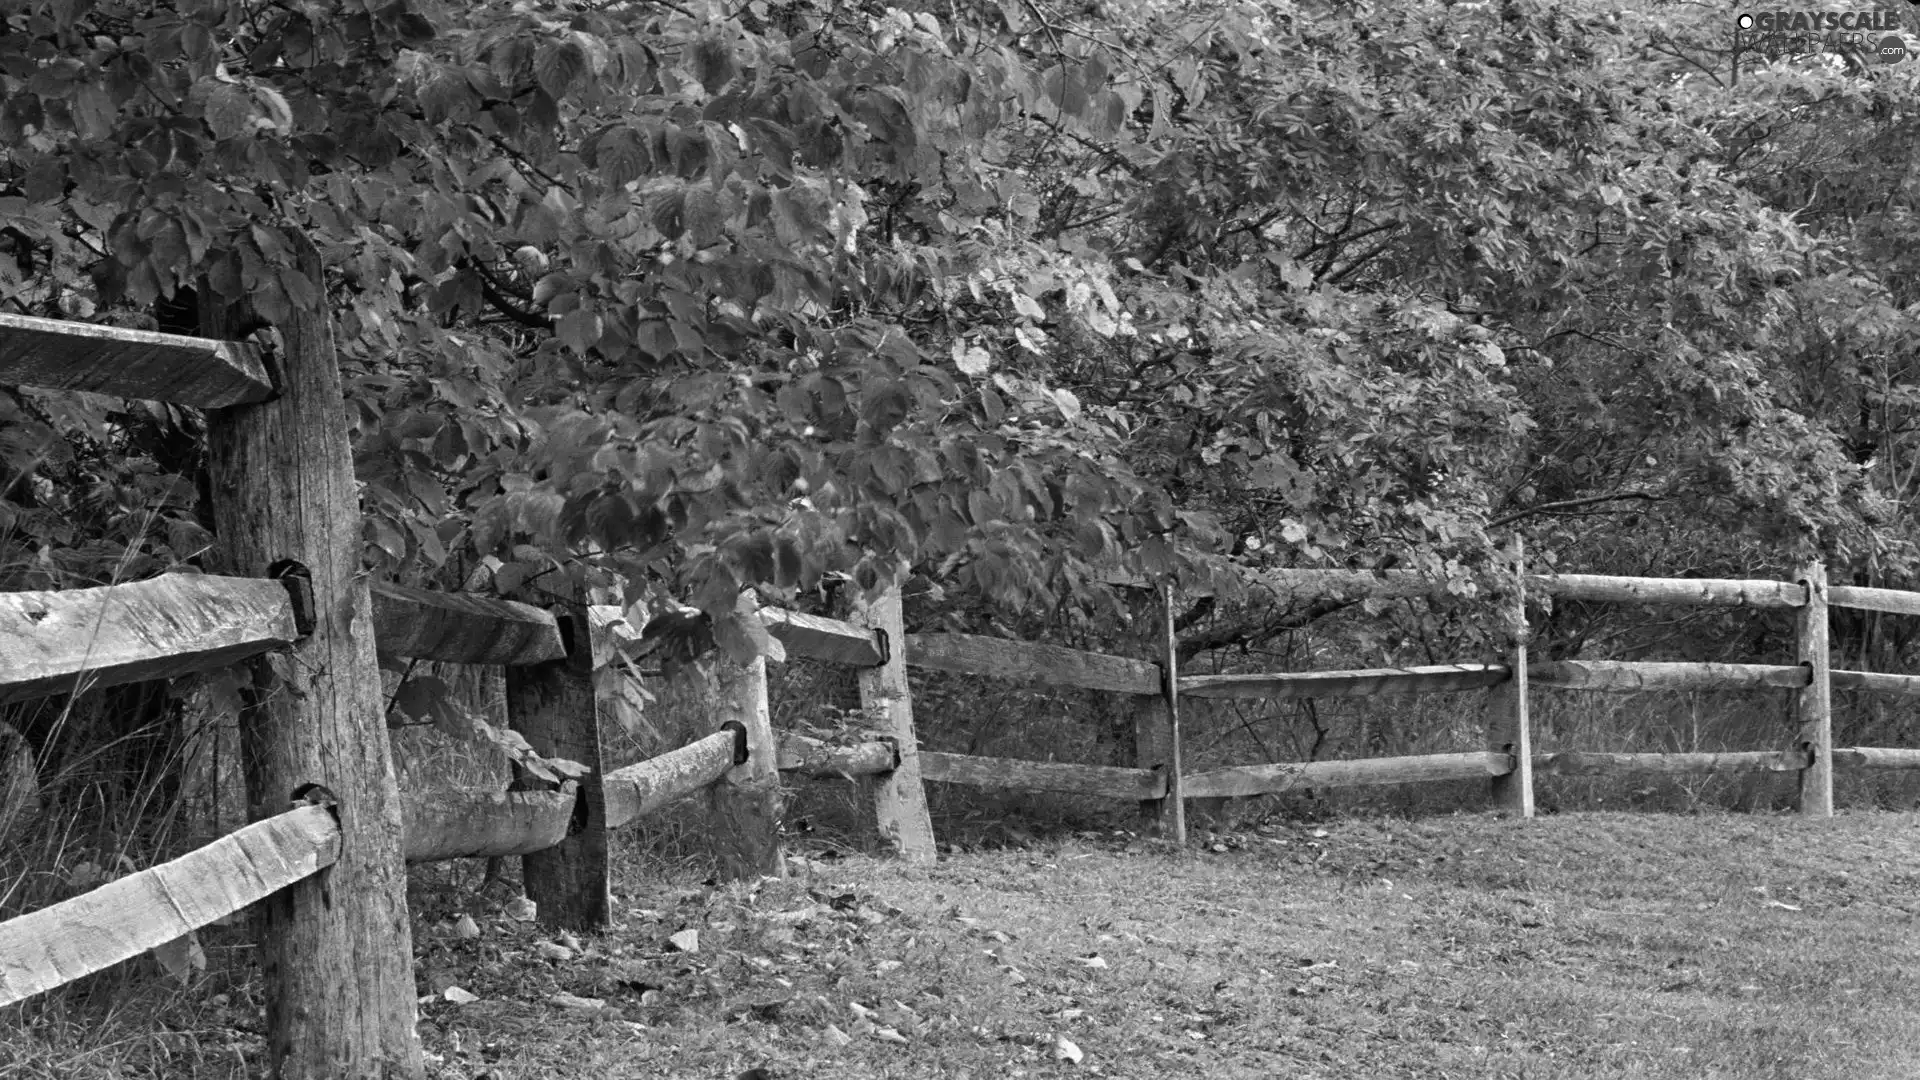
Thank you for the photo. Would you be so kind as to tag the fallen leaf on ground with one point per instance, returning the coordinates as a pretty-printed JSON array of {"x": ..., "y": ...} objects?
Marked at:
[{"x": 1064, "y": 1050}]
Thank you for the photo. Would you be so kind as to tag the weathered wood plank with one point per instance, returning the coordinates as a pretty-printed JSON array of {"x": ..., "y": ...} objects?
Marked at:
[
  {"x": 171, "y": 625},
  {"x": 57, "y": 355},
  {"x": 464, "y": 824},
  {"x": 899, "y": 798},
  {"x": 1104, "y": 780},
  {"x": 557, "y": 705},
  {"x": 642, "y": 788},
  {"x": 124, "y": 918},
  {"x": 1294, "y": 775},
  {"x": 430, "y": 625},
  {"x": 1874, "y": 757},
  {"x": 812, "y": 757},
  {"x": 1814, "y": 704},
  {"x": 1589, "y": 763},
  {"x": 1053, "y": 665},
  {"x": 817, "y": 638},
  {"x": 1509, "y": 725},
  {"x": 1875, "y": 681},
  {"x": 1719, "y": 592},
  {"x": 744, "y": 805},
  {"x": 1173, "y": 815},
  {"x": 335, "y": 951},
  {"x": 1895, "y": 601},
  {"x": 1364, "y": 682},
  {"x": 1624, "y": 676},
  {"x": 1153, "y": 750}
]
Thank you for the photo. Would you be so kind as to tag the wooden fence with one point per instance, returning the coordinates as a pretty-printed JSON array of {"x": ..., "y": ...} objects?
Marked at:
[
  {"x": 324, "y": 856},
  {"x": 330, "y": 836}
]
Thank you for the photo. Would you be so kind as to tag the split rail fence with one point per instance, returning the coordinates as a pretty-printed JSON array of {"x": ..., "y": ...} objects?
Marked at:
[{"x": 330, "y": 833}]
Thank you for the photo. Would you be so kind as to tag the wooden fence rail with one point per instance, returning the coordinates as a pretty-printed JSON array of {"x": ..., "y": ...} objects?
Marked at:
[
  {"x": 56, "y": 355},
  {"x": 1292, "y": 775},
  {"x": 1335, "y": 684},
  {"x": 1636, "y": 676},
  {"x": 444, "y": 825},
  {"x": 177, "y": 624},
  {"x": 814, "y": 757},
  {"x": 1892, "y": 601},
  {"x": 141, "y": 912},
  {"x": 1066, "y": 777},
  {"x": 1589, "y": 763}
]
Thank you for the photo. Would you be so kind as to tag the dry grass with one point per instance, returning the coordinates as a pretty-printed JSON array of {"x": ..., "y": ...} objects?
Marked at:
[{"x": 1577, "y": 945}]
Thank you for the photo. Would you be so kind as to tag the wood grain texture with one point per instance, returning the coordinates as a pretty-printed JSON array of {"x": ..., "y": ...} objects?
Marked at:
[
  {"x": 427, "y": 624},
  {"x": 201, "y": 372},
  {"x": 818, "y": 638},
  {"x": 744, "y": 804},
  {"x": 336, "y": 951},
  {"x": 1362, "y": 682},
  {"x": 640, "y": 789},
  {"x": 460, "y": 824},
  {"x": 1173, "y": 811},
  {"x": 1716, "y": 592},
  {"x": 1896, "y": 601},
  {"x": 812, "y": 757},
  {"x": 1589, "y": 763},
  {"x": 175, "y": 624},
  {"x": 1875, "y": 682},
  {"x": 124, "y": 918},
  {"x": 1103, "y": 780},
  {"x": 1509, "y": 717},
  {"x": 1153, "y": 751},
  {"x": 899, "y": 798},
  {"x": 1875, "y": 757},
  {"x": 558, "y": 707},
  {"x": 1814, "y": 704},
  {"x": 1294, "y": 775},
  {"x": 1050, "y": 665},
  {"x": 1622, "y": 676}
]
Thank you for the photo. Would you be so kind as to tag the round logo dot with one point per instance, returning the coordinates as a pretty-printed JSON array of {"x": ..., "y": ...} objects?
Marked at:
[
  {"x": 1745, "y": 22},
  {"x": 1892, "y": 49}
]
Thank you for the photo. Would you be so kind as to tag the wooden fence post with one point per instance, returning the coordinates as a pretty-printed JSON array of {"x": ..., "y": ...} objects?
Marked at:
[
  {"x": 745, "y": 804},
  {"x": 1152, "y": 749},
  {"x": 900, "y": 798},
  {"x": 553, "y": 704},
  {"x": 336, "y": 949},
  {"x": 1152, "y": 741},
  {"x": 1816, "y": 699},
  {"x": 1509, "y": 728},
  {"x": 1175, "y": 814}
]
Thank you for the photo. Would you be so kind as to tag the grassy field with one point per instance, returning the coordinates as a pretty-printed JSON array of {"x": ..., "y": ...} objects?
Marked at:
[{"x": 1576, "y": 945}]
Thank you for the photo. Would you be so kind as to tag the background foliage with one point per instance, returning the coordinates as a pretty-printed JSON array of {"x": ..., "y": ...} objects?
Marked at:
[{"x": 695, "y": 297}]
